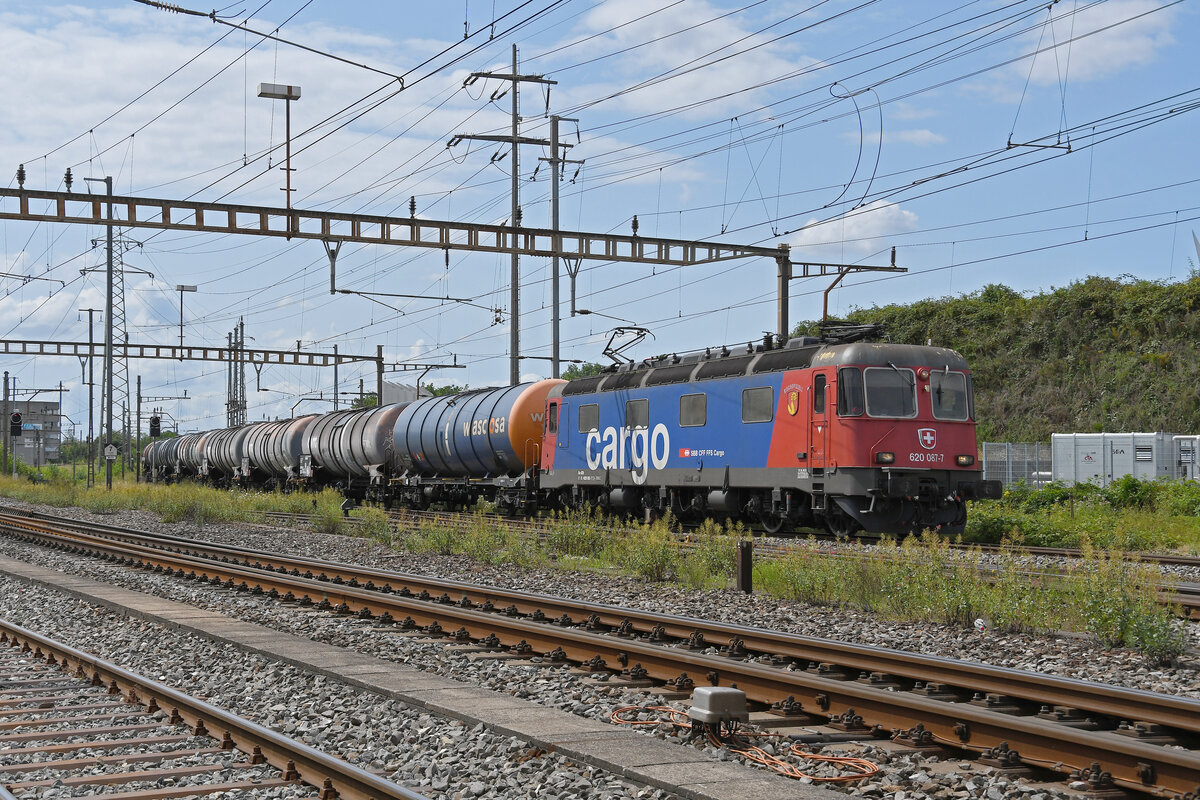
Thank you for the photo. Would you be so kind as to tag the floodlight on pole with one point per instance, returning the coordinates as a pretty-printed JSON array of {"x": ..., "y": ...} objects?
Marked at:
[
  {"x": 286, "y": 93},
  {"x": 181, "y": 288}
]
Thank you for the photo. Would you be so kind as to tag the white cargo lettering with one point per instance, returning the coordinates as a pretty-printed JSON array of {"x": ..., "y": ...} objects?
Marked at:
[{"x": 647, "y": 449}]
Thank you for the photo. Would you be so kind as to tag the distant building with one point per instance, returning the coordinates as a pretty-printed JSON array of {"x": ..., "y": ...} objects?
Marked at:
[
  {"x": 41, "y": 432},
  {"x": 398, "y": 393}
]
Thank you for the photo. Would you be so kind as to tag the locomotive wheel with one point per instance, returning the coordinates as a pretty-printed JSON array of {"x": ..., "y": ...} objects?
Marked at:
[{"x": 839, "y": 523}]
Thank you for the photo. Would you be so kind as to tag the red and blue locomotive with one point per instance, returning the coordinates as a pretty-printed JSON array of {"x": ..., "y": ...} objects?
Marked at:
[{"x": 877, "y": 437}]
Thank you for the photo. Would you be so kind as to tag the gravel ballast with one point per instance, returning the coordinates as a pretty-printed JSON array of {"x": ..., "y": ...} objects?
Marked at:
[{"x": 916, "y": 775}]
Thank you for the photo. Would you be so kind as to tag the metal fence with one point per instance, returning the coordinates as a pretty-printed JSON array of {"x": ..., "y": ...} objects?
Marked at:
[{"x": 1009, "y": 462}]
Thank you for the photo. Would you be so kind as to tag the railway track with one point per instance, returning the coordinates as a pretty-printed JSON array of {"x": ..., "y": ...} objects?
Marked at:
[
  {"x": 409, "y": 516},
  {"x": 1185, "y": 595},
  {"x": 71, "y": 721},
  {"x": 1108, "y": 737}
]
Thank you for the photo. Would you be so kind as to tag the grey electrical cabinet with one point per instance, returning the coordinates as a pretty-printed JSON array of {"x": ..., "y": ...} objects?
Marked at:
[{"x": 1101, "y": 458}]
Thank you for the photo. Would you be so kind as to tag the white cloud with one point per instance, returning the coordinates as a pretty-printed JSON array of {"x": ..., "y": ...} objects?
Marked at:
[
  {"x": 1136, "y": 39},
  {"x": 676, "y": 42},
  {"x": 853, "y": 235},
  {"x": 904, "y": 111},
  {"x": 918, "y": 136}
]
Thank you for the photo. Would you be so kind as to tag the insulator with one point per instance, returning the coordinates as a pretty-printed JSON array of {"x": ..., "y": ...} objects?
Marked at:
[
  {"x": 20, "y": 176},
  {"x": 68, "y": 180},
  {"x": 412, "y": 206},
  {"x": 635, "y": 225}
]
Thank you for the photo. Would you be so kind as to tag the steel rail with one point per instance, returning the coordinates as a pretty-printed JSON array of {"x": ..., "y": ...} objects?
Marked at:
[
  {"x": 313, "y": 767},
  {"x": 1182, "y": 596},
  {"x": 1119, "y": 703},
  {"x": 1094, "y": 755}
]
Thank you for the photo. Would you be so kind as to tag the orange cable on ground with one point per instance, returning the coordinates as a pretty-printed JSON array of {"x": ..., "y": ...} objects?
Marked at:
[{"x": 862, "y": 768}]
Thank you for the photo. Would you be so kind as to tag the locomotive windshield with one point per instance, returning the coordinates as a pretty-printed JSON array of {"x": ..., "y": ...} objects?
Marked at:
[
  {"x": 850, "y": 392},
  {"x": 948, "y": 391},
  {"x": 891, "y": 392}
]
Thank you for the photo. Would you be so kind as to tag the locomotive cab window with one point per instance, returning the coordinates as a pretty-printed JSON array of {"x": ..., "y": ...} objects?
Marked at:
[
  {"x": 693, "y": 410},
  {"x": 589, "y": 418},
  {"x": 948, "y": 394},
  {"x": 758, "y": 404},
  {"x": 850, "y": 392},
  {"x": 637, "y": 414},
  {"x": 891, "y": 392},
  {"x": 552, "y": 419},
  {"x": 819, "y": 384}
]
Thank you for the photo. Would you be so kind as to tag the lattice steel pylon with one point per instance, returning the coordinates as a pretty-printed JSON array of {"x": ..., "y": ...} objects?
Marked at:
[
  {"x": 120, "y": 377},
  {"x": 235, "y": 377}
]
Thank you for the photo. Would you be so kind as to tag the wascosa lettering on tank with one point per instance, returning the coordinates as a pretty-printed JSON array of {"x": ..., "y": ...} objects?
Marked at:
[
  {"x": 640, "y": 448},
  {"x": 478, "y": 427}
]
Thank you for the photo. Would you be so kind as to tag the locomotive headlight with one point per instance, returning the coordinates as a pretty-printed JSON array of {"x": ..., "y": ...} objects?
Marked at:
[
  {"x": 885, "y": 458},
  {"x": 964, "y": 461}
]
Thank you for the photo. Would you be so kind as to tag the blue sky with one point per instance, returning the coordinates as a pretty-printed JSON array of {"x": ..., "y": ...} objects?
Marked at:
[{"x": 989, "y": 142}]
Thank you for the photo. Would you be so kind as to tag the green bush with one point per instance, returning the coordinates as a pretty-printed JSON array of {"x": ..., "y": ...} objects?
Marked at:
[
  {"x": 373, "y": 523},
  {"x": 1117, "y": 600},
  {"x": 435, "y": 537},
  {"x": 648, "y": 551}
]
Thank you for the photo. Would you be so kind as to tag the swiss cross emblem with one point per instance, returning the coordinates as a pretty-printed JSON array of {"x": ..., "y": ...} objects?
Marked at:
[{"x": 927, "y": 437}]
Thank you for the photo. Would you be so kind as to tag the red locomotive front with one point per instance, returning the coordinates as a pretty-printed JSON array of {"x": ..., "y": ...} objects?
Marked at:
[{"x": 889, "y": 436}]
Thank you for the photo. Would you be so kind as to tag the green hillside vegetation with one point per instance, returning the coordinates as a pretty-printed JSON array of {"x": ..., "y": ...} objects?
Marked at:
[{"x": 1097, "y": 355}]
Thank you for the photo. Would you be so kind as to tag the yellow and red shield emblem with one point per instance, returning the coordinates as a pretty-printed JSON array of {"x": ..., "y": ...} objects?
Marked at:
[{"x": 793, "y": 402}]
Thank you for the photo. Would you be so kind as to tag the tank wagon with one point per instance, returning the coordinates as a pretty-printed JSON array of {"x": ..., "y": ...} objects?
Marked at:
[
  {"x": 457, "y": 449},
  {"x": 848, "y": 435},
  {"x": 350, "y": 450}
]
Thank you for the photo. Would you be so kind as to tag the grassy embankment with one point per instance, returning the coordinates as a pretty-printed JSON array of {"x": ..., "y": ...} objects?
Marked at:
[
  {"x": 1097, "y": 355},
  {"x": 918, "y": 579}
]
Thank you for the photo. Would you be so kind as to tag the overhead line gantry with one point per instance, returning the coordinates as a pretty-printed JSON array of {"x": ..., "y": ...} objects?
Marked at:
[{"x": 333, "y": 228}]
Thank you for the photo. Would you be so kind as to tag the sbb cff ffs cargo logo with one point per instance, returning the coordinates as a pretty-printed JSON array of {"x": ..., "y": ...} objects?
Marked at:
[{"x": 927, "y": 437}]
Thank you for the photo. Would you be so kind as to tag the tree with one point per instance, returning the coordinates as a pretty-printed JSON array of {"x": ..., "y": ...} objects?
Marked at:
[
  {"x": 437, "y": 391},
  {"x": 366, "y": 401},
  {"x": 583, "y": 370}
]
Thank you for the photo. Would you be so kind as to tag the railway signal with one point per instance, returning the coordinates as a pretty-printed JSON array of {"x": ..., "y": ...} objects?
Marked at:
[{"x": 14, "y": 424}]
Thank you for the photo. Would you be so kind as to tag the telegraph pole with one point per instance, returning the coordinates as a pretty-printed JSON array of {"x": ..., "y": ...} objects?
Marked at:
[
  {"x": 555, "y": 162},
  {"x": 514, "y": 295},
  {"x": 4, "y": 463},
  {"x": 91, "y": 382},
  {"x": 108, "y": 329}
]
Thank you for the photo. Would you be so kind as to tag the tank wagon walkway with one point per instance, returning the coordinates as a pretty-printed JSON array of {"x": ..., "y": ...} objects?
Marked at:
[{"x": 635, "y": 756}]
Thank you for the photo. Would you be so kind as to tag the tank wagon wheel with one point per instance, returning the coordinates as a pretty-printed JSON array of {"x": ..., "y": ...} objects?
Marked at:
[
  {"x": 839, "y": 523},
  {"x": 773, "y": 523}
]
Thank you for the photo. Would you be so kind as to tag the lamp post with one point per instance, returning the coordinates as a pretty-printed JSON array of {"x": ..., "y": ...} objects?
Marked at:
[
  {"x": 181, "y": 288},
  {"x": 286, "y": 93}
]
